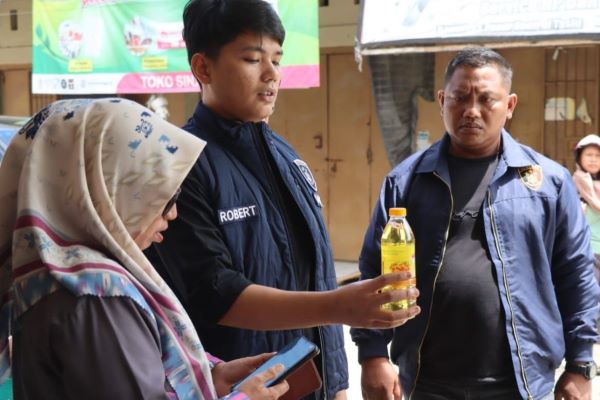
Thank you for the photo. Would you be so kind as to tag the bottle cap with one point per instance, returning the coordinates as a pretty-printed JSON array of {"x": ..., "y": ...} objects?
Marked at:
[{"x": 397, "y": 212}]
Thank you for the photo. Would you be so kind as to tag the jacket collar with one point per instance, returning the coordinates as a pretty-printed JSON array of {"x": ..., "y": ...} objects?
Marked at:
[
  {"x": 435, "y": 158},
  {"x": 513, "y": 152},
  {"x": 228, "y": 129}
]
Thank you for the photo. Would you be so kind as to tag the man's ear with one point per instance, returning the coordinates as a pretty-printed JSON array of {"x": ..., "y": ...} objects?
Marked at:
[
  {"x": 512, "y": 104},
  {"x": 201, "y": 68},
  {"x": 441, "y": 98}
]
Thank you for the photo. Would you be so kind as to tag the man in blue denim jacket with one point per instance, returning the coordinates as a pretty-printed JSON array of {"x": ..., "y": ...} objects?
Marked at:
[{"x": 503, "y": 258}]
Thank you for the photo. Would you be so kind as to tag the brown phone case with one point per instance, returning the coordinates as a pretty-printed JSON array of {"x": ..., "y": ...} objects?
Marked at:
[{"x": 303, "y": 381}]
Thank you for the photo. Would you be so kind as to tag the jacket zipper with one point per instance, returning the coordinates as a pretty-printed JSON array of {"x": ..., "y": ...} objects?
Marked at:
[
  {"x": 505, "y": 282},
  {"x": 434, "y": 284},
  {"x": 263, "y": 145}
]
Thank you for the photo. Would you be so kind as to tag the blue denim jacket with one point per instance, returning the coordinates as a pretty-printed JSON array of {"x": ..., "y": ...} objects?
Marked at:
[{"x": 539, "y": 243}]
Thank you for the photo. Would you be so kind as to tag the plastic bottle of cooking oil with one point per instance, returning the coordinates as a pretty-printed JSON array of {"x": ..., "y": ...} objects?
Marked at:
[{"x": 398, "y": 254}]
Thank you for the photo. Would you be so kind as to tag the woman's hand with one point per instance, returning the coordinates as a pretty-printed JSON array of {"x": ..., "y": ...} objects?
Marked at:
[
  {"x": 226, "y": 374},
  {"x": 255, "y": 387}
]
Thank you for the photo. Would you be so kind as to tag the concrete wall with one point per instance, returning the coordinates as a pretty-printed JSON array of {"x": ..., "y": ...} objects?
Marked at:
[
  {"x": 15, "y": 46},
  {"x": 337, "y": 23},
  {"x": 15, "y": 58}
]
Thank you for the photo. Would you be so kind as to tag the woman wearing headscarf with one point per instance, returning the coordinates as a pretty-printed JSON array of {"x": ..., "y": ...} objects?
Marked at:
[
  {"x": 587, "y": 180},
  {"x": 84, "y": 187}
]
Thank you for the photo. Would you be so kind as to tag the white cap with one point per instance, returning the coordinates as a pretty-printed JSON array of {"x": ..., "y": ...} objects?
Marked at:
[{"x": 588, "y": 140}]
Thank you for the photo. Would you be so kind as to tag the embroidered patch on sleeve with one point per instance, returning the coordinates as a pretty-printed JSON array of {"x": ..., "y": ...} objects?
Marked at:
[{"x": 306, "y": 173}]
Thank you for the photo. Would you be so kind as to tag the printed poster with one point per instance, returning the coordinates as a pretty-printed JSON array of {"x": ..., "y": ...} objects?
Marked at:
[{"x": 136, "y": 46}]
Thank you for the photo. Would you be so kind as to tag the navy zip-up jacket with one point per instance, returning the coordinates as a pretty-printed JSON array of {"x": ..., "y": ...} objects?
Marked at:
[
  {"x": 538, "y": 241},
  {"x": 231, "y": 232}
]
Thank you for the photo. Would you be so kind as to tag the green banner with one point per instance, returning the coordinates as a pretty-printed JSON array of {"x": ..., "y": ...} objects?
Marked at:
[{"x": 135, "y": 46}]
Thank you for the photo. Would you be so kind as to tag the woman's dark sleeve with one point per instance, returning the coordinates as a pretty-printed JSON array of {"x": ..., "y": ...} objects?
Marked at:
[{"x": 89, "y": 348}]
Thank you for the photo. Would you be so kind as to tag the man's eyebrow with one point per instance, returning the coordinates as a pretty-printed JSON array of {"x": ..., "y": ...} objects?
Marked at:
[{"x": 260, "y": 50}]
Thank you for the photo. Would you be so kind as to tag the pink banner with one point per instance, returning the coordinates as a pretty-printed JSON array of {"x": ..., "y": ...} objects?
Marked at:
[
  {"x": 299, "y": 77},
  {"x": 158, "y": 82},
  {"x": 294, "y": 77}
]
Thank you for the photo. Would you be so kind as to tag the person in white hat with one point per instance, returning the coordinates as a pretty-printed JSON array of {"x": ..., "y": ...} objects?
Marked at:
[{"x": 587, "y": 180}]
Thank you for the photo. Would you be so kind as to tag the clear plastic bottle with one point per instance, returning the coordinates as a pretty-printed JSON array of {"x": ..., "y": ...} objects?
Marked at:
[{"x": 398, "y": 254}]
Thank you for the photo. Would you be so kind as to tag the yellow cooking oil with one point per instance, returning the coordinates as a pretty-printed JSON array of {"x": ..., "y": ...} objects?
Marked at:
[{"x": 398, "y": 254}]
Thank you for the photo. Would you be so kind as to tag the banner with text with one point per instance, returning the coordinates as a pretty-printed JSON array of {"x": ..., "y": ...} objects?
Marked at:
[
  {"x": 136, "y": 46},
  {"x": 426, "y": 22}
]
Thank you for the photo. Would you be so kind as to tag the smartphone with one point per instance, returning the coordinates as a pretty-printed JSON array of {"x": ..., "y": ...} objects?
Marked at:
[{"x": 292, "y": 356}]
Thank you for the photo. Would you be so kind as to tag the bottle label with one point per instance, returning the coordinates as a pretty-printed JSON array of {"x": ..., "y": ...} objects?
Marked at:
[{"x": 395, "y": 258}]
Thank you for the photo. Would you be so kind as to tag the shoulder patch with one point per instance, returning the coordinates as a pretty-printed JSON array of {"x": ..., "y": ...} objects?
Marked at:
[
  {"x": 306, "y": 173},
  {"x": 532, "y": 176}
]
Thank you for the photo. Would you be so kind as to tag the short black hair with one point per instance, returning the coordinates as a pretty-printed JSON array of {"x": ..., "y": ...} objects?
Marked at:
[
  {"x": 208, "y": 25},
  {"x": 477, "y": 57}
]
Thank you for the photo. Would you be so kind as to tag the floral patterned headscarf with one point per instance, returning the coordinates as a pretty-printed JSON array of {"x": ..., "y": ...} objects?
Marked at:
[{"x": 76, "y": 184}]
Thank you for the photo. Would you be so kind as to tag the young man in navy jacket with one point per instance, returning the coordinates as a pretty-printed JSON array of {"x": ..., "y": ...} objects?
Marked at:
[{"x": 249, "y": 255}]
